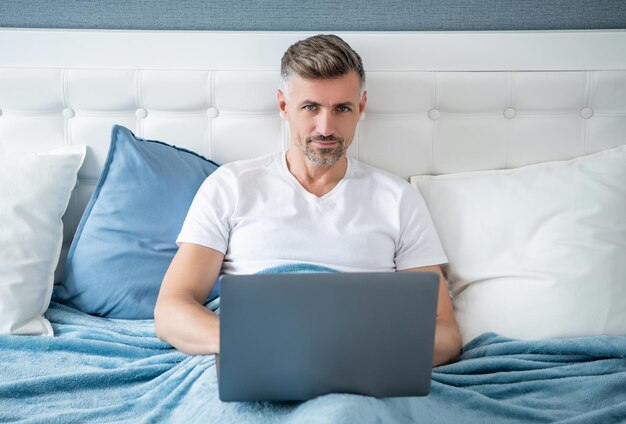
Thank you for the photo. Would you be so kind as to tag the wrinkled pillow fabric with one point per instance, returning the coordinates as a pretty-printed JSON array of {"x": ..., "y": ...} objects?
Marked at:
[
  {"x": 535, "y": 252},
  {"x": 126, "y": 238},
  {"x": 35, "y": 190}
]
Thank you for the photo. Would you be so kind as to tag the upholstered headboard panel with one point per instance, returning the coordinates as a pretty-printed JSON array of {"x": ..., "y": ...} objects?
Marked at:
[{"x": 437, "y": 102}]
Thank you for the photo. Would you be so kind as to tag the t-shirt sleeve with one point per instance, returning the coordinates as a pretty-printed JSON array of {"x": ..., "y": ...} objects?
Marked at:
[
  {"x": 208, "y": 220},
  {"x": 418, "y": 244}
]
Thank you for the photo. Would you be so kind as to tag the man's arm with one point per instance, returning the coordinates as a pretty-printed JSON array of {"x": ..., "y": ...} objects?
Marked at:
[
  {"x": 180, "y": 318},
  {"x": 447, "y": 336}
]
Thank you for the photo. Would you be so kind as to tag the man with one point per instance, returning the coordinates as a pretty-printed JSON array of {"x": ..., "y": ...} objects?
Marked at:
[{"x": 310, "y": 204}]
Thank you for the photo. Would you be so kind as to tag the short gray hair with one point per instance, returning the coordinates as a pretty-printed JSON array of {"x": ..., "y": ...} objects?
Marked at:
[{"x": 323, "y": 56}]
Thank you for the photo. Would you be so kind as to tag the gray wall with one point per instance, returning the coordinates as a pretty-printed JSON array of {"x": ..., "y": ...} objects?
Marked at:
[{"x": 322, "y": 15}]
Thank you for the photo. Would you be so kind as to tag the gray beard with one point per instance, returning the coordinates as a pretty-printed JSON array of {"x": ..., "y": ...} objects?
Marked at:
[{"x": 324, "y": 157}]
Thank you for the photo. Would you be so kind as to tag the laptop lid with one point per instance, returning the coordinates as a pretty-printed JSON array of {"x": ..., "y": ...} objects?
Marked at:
[{"x": 299, "y": 336}]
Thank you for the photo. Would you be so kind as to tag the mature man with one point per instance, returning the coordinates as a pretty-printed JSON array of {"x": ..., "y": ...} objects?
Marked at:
[{"x": 311, "y": 204}]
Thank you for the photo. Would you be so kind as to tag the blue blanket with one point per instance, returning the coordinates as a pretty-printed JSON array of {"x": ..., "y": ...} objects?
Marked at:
[{"x": 104, "y": 370}]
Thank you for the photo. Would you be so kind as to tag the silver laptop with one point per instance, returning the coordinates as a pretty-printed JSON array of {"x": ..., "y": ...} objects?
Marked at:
[{"x": 286, "y": 337}]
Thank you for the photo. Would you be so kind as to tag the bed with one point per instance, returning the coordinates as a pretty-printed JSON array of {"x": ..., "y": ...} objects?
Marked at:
[{"x": 516, "y": 140}]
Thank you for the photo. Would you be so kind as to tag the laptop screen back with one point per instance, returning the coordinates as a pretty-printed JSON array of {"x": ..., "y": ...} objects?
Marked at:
[{"x": 298, "y": 336}]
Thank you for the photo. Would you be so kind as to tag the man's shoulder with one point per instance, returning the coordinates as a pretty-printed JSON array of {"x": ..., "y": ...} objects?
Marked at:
[
  {"x": 386, "y": 178},
  {"x": 243, "y": 165},
  {"x": 239, "y": 172}
]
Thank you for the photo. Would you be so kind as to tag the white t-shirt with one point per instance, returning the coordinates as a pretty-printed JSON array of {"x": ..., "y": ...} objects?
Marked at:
[{"x": 257, "y": 213}]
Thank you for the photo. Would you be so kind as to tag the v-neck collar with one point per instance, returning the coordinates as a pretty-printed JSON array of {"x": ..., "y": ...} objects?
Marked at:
[{"x": 282, "y": 159}]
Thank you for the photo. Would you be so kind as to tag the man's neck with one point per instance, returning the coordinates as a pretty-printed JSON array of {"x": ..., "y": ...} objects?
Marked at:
[{"x": 316, "y": 179}]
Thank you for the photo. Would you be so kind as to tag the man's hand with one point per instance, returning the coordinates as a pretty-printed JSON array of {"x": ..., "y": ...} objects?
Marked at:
[
  {"x": 447, "y": 336},
  {"x": 180, "y": 318}
]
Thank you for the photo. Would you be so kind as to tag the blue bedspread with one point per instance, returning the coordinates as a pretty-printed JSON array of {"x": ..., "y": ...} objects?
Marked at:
[{"x": 104, "y": 370}]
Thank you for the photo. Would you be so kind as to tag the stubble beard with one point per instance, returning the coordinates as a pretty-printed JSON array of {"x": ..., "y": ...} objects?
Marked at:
[{"x": 324, "y": 157}]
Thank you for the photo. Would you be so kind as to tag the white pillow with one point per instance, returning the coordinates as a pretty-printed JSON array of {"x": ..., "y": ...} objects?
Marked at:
[
  {"x": 535, "y": 252},
  {"x": 34, "y": 191}
]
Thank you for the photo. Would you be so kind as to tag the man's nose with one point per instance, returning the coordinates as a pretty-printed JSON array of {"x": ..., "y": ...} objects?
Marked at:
[{"x": 325, "y": 124}]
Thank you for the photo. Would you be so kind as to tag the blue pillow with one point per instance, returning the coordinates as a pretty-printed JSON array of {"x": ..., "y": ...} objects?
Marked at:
[{"x": 126, "y": 238}]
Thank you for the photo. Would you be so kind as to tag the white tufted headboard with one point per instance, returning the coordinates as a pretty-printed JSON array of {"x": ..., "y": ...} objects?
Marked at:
[{"x": 437, "y": 102}]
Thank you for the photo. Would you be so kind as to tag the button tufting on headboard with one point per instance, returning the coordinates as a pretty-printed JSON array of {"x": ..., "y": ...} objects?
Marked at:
[
  {"x": 212, "y": 112},
  {"x": 509, "y": 113},
  {"x": 434, "y": 114},
  {"x": 586, "y": 112},
  {"x": 436, "y": 108},
  {"x": 68, "y": 113}
]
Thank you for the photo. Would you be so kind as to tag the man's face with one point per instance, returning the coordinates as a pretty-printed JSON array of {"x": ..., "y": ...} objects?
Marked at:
[{"x": 322, "y": 115}]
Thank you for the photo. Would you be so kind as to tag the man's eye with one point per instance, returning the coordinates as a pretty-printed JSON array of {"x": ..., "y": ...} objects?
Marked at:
[
  {"x": 343, "y": 109},
  {"x": 309, "y": 107}
]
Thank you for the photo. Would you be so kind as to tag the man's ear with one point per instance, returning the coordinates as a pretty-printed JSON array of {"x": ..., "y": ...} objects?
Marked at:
[
  {"x": 282, "y": 104},
  {"x": 362, "y": 102}
]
